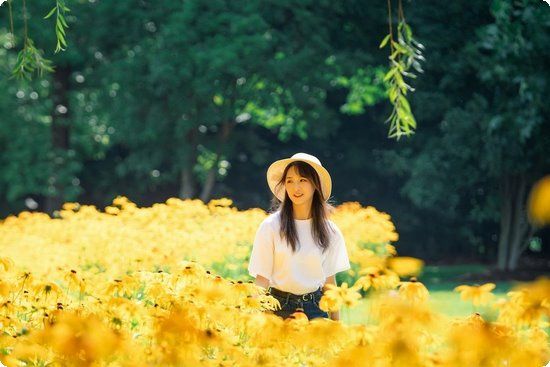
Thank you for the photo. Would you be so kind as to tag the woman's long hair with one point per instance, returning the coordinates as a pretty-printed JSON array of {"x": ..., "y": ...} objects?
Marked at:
[{"x": 320, "y": 209}]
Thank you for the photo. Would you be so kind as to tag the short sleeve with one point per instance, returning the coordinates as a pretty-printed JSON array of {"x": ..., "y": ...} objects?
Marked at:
[
  {"x": 337, "y": 259},
  {"x": 261, "y": 258}
]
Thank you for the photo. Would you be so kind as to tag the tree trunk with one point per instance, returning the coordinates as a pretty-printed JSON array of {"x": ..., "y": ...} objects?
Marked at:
[
  {"x": 188, "y": 181},
  {"x": 505, "y": 221},
  {"x": 515, "y": 230},
  {"x": 60, "y": 137},
  {"x": 210, "y": 182},
  {"x": 187, "y": 189}
]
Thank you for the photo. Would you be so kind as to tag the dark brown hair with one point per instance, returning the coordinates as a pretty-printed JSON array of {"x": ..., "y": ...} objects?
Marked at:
[{"x": 320, "y": 210}]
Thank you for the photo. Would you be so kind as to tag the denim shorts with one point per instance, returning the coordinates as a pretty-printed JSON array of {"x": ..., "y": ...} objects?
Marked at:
[{"x": 293, "y": 303}]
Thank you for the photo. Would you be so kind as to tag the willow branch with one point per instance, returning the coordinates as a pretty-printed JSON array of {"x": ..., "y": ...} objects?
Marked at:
[
  {"x": 389, "y": 22},
  {"x": 11, "y": 18}
]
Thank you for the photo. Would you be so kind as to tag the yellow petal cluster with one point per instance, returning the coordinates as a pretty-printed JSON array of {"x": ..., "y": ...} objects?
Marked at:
[
  {"x": 479, "y": 295},
  {"x": 167, "y": 286}
]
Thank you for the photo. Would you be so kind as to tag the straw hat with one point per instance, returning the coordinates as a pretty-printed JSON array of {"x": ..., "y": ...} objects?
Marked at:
[{"x": 277, "y": 168}]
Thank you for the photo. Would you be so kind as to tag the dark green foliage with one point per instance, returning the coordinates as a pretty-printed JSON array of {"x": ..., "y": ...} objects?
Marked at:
[{"x": 194, "y": 99}]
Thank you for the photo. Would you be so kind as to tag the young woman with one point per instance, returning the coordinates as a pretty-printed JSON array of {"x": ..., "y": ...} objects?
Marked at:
[{"x": 297, "y": 249}]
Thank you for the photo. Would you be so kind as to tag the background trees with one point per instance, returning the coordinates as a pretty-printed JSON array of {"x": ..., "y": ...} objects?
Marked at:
[{"x": 194, "y": 99}]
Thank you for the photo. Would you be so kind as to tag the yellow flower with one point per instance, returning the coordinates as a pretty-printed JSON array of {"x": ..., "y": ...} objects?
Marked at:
[
  {"x": 5, "y": 288},
  {"x": 337, "y": 296},
  {"x": 72, "y": 278},
  {"x": 529, "y": 303},
  {"x": 126, "y": 285},
  {"x": 477, "y": 294},
  {"x": 329, "y": 304},
  {"x": 224, "y": 202},
  {"x": 112, "y": 210},
  {"x": 47, "y": 288},
  {"x": 252, "y": 302},
  {"x": 406, "y": 266},
  {"x": 121, "y": 201},
  {"x": 299, "y": 317},
  {"x": 378, "y": 278},
  {"x": 413, "y": 291},
  {"x": 6, "y": 263},
  {"x": 81, "y": 340},
  {"x": 539, "y": 202},
  {"x": 476, "y": 342},
  {"x": 391, "y": 250},
  {"x": 364, "y": 282},
  {"x": 71, "y": 206}
]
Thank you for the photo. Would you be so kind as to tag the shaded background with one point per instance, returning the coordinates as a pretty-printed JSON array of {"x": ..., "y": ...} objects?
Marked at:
[{"x": 195, "y": 99}]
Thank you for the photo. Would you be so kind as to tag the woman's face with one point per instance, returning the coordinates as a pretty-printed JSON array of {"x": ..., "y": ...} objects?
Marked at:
[{"x": 299, "y": 189}]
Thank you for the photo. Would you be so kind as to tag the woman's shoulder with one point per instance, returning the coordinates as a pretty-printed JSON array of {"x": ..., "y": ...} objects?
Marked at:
[
  {"x": 272, "y": 220},
  {"x": 332, "y": 224},
  {"x": 334, "y": 227}
]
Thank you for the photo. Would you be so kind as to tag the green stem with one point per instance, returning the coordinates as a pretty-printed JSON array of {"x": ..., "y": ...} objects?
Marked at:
[
  {"x": 20, "y": 291},
  {"x": 391, "y": 31},
  {"x": 11, "y": 19},
  {"x": 401, "y": 15},
  {"x": 25, "y": 21}
]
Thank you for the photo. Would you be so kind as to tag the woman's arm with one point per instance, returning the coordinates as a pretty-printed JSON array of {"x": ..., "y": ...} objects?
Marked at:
[
  {"x": 261, "y": 281},
  {"x": 332, "y": 280}
]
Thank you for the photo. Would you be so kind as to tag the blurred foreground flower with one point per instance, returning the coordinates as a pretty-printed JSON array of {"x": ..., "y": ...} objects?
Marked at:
[
  {"x": 413, "y": 291},
  {"x": 539, "y": 202},
  {"x": 406, "y": 266},
  {"x": 529, "y": 304},
  {"x": 479, "y": 295}
]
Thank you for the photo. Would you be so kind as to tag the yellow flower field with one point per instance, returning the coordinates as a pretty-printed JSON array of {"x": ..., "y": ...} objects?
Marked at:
[{"x": 167, "y": 286}]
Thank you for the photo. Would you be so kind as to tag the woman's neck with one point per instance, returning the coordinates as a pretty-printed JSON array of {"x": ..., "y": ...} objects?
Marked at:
[{"x": 301, "y": 212}]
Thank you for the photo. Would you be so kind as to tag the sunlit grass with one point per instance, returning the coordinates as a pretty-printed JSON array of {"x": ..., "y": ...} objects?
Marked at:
[
  {"x": 444, "y": 302},
  {"x": 440, "y": 281}
]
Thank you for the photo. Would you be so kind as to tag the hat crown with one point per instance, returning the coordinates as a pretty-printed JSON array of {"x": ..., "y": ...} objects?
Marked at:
[{"x": 307, "y": 157}]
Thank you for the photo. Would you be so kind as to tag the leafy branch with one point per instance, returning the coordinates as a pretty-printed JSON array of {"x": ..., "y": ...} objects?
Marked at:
[
  {"x": 60, "y": 24},
  {"x": 30, "y": 59},
  {"x": 405, "y": 53}
]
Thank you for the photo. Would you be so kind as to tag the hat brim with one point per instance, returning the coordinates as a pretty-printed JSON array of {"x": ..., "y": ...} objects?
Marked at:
[{"x": 277, "y": 168}]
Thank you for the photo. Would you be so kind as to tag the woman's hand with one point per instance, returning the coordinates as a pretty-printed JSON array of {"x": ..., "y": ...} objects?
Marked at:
[
  {"x": 262, "y": 282},
  {"x": 332, "y": 280}
]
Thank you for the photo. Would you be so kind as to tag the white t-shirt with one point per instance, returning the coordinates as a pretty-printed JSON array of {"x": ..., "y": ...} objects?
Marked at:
[{"x": 303, "y": 271}]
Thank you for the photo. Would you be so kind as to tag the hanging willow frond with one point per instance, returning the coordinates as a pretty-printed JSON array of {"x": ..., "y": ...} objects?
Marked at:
[
  {"x": 405, "y": 53},
  {"x": 60, "y": 9},
  {"x": 30, "y": 60}
]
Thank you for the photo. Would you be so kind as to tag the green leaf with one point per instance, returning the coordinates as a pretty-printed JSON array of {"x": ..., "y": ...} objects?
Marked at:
[
  {"x": 384, "y": 41},
  {"x": 392, "y": 94},
  {"x": 59, "y": 27},
  {"x": 413, "y": 121},
  {"x": 408, "y": 31},
  {"x": 389, "y": 74},
  {"x": 62, "y": 20},
  {"x": 51, "y": 12},
  {"x": 403, "y": 101}
]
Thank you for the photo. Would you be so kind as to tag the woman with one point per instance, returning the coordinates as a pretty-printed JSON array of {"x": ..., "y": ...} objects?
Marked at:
[{"x": 297, "y": 249}]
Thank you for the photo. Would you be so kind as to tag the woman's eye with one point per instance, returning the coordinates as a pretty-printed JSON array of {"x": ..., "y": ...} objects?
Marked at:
[{"x": 303, "y": 179}]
